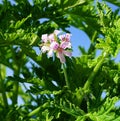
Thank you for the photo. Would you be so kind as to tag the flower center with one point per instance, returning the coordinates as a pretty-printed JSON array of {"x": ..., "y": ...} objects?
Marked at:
[{"x": 60, "y": 49}]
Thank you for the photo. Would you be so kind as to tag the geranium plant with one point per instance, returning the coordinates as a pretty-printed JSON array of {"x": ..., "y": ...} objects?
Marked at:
[{"x": 40, "y": 79}]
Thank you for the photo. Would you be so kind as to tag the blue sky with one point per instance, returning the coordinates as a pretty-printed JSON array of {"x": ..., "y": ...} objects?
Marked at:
[{"x": 78, "y": 37}]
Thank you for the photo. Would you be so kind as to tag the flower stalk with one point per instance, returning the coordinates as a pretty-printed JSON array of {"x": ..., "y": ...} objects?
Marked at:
[
  {"x": 58, "y": 43},
  {"x": 16, "y": 85},
  {"x": 65, "y": 74}
]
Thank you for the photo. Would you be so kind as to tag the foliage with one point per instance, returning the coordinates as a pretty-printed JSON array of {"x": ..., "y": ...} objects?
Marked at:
[{"x": 39, "y": 81}]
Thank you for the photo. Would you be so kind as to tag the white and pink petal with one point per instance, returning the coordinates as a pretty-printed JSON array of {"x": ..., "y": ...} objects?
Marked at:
[
  {"x": 54, "y": 45},
  {"x": 65, "y": 45},
  {"x": 67, "y": 53},
  {"x": 45, "y": 49},
  {"x": 44, "y": 38},
  {"x": 56, "y": 32},
  {"x": 50, "y": 53},
  {"x": 61, "y": 57}
]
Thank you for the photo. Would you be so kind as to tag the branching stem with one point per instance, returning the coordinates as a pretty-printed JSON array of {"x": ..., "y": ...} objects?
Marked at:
[{"x": 92, "y": 76}]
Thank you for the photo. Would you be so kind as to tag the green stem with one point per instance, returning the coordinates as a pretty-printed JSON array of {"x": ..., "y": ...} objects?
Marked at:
[
  {"x": 92, "y": 76},
  {"x": 16, "y": 86},
  {"x": 35, "y": 111},
  {"x": 94, "y": 36},
  {"x": 15, "y": 93},
  {"x": 65, "y": 74},
  {"x": 4, "y": 98},
  {"x": 2, "y": 73}
]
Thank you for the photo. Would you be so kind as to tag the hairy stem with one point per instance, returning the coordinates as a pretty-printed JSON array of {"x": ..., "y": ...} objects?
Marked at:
[
  {"x": 65, "y": 74},
  {"x": 92, "y": 76},
  {"x": 16, "y": 86},
  {"x": 35, "y": 111},
  {"x": 15, "y": 93}
]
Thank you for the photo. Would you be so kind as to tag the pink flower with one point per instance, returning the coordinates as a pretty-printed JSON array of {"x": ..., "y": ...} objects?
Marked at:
[
  {"x": 54, "y": 45},
  {"x": 56, "y": 32},
  {"x": 57, "y": 43},
  {"x": 65, "y": 44},
  {"x": 44, "y": 37},
  {"x": 61, "y": 53},
  {"x": 65, "y": 37},
  {"x": 45, "y": 48},
  {"x": 52, "y": 37}
]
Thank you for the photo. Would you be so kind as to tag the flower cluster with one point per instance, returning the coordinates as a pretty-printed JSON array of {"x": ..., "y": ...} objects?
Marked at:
[{"x": 58, "y": 43}]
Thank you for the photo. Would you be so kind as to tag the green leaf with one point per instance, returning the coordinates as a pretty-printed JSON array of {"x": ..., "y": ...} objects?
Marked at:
[
  {"x": 80, "y": 118},
  {"x": 19, "y": 23},
  {"x": 46, "y": 115},
  {"x": 69, "y": 108},
  {"x": 71, "y": 4}
]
